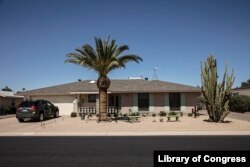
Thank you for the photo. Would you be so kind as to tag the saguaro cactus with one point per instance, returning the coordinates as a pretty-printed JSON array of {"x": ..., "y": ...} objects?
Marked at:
[{"x": 215, "y": 95}]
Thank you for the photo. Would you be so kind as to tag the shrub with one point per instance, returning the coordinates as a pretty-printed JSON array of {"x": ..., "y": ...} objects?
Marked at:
[
  {"x": 1, "y": 110},
  {"x": 73, "y": 114},
  {"x": 115, "y": 115},
  {"x": 135, "y": 114},
  {"x": 190, "y": 114},
  {"x": 239, "y": 103},
  {"x": 125, "y": 115},
  {"x": 162, "y": 113},
  {"x": 197, "y": 114},
  {"x": 6, "y": 110},
  {"x": 153, "y": 114},
  {"x": 172, "y": 113}
]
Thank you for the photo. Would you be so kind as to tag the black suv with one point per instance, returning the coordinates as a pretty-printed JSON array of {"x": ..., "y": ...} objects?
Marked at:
[{"x": 38, "y": 109}]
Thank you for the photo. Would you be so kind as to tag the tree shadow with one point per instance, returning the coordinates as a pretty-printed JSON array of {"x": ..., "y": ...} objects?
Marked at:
[{"x": 211, "y": 121}]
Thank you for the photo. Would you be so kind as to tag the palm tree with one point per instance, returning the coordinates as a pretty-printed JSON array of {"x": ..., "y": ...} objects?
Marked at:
[{"x": 105, "y": 58}]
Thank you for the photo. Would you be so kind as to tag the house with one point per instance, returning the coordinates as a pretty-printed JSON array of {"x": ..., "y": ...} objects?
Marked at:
[
  {"x": 242, "y": 91},
  {"x": 9, "y": 99},
  {"x": 132, "y": 94}
]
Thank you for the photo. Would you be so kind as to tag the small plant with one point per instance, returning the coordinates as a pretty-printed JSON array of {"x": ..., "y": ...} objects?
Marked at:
[
  {"x": 198, "y": 114},
  {"x": 115, "y": 115},
  {"x": 7, "y": 110},
  {"x": 125, "y": 115},
  {"x": 153, "y": 115},
  {"x": 162, "y": 113},
  {"x": 172, "y": 113},
  {"x": 135, "y": 114},
  {"x": 161, "y": 119},
  {"x": 190, "y": 114},
  {"x": 73, "y": 114}
]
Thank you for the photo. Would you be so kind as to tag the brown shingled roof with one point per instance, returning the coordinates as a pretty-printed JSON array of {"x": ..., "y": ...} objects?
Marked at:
[{"x": 117, "y": 86}]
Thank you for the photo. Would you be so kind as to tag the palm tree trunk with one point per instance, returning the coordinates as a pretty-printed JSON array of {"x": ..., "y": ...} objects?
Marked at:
[{"x": 103, "y": 104}]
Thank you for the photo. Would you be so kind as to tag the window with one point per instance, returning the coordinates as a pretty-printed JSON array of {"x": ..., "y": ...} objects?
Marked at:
[
  {"x": 49, "y": 104},
  {"x": 175, "y": 101},
  {"x": 143, "y": 101},
  {"x": 13, "y": 102},
  {"x": 92, "y": 98}
]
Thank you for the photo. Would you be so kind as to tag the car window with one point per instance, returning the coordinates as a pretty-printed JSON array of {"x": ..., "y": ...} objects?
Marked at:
[
  {"x": 27, "y": 104},
  {"x": 49, "y": 104},
  {"x": 37, "y": 103},
  {"x": 44, "y": 103}
]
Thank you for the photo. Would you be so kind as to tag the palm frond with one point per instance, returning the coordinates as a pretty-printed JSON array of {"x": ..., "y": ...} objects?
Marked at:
[
  {"x": 128, "y": 58},
  {"x": 120, "y": 50},
  {"x": 104, "y": 58}
]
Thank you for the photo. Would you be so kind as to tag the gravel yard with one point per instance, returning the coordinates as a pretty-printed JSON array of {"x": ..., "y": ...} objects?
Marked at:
[{"x": 66, "y": 124}]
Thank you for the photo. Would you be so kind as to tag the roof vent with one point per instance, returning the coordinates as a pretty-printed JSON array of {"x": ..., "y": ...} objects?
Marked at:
[
  {"x": 92, "y": 82},
  {"x": 132, "y": 78}
]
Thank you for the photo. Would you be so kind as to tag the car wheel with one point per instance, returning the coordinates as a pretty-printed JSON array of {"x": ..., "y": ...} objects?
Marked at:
[
  {"x": 41, "y": 117},
  {"x": 20, "y": 120},
  {"x": 56, "y": 114}
]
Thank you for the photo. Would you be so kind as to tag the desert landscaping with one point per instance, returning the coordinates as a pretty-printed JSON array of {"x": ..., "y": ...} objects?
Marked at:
[{"x": 65, "y": 125}]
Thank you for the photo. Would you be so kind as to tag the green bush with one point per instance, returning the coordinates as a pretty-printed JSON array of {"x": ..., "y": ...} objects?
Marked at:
[
  {"x": 7, "y": 110},
  {"x": 153, "y": 114},
  {"x": 1, "y": 110},
  {"x": 239, "y": 103},
  {"x": 162, "y": 113},
  {"x": 172, "y": 113},
  {"x": 135, "y": 114},
  {"x": 115, "y": 115},
  {"x": 73, "y": 114},
  {"x": 125, "y": 115}
]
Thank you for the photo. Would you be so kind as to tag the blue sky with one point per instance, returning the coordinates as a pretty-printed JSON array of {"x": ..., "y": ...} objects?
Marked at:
[{"x": 172, "y": 35}]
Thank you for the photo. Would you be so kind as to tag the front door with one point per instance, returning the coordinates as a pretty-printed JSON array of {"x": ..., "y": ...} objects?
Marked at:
[
  {"x": 175, "y": 101},
  {"x": 118, "y": 102},
  {"x": 143, "y": 101},
  {"x": 114, "y": 101}
]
